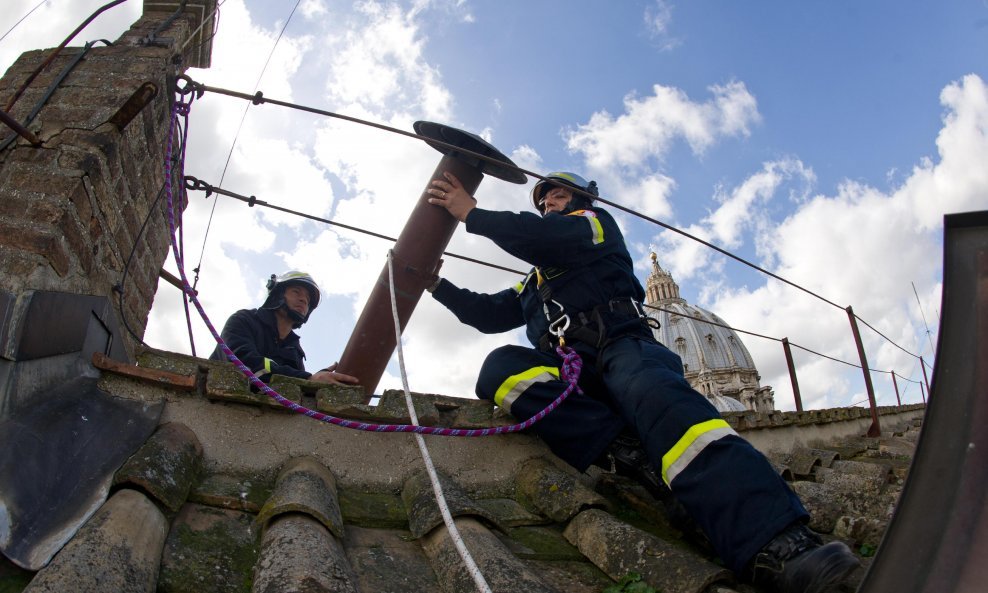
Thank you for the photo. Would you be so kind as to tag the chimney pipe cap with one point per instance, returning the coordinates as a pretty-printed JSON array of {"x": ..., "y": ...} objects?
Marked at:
[{"x": 471, "y": 142}]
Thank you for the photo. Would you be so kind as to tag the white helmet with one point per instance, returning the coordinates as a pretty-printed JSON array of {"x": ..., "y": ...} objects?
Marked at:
[{"x": 276, "y": 293}]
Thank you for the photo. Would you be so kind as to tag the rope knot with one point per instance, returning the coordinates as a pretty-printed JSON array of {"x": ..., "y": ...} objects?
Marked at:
[{"x": 572, "y": 364}]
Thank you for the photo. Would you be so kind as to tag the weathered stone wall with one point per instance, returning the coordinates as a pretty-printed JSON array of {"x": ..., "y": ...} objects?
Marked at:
[
  {"x": 776, "y": 433},
  {"x": 71, "y": 210}
]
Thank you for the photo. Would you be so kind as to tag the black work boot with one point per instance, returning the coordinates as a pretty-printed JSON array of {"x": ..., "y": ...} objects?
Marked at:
[
  {"x": 797, "y": 561},
  {"x": 625, "y": 456}
]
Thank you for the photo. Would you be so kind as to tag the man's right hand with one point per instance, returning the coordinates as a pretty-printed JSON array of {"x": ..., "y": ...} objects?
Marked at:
[
  {"x": 449, "y": 194},
  {"x": 329, "y": 375}
]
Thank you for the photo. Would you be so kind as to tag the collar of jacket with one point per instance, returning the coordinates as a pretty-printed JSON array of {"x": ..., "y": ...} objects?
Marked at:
[{"x": 270, "y": 320}]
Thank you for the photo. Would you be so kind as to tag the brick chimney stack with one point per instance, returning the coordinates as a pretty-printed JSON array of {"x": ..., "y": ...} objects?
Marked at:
[{"x": 71, "y": 209}]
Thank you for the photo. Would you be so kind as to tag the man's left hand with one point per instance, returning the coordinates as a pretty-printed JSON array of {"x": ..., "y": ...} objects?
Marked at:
[{"x": 449, "y": 194}]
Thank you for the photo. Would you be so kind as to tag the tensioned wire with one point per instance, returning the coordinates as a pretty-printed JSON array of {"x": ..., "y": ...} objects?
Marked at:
[
  {"x": 243, "y": 117},
  {"x": 570, "y": 363},
  {"x": 750, "y": 333},
  {"x": 258, "y": 98},
  {"x": 21, "y": 20},
  {"x": 570, "y": 366},
  {"x": 192, "y": 183},
  {"x": 196, "y": 184}
]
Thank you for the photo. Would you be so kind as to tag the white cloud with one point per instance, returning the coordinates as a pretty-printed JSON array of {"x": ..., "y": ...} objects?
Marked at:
[
  {"x": 744, "y": 212},
  {"x": 264, "y": 163},
  {"x": 957, "y": 183},
  {"x": 658, "y": 21},
  {"x": 313, "y": 8},
  {"x": 649, "y": 126},
  {"x": 853, "y": 243},
  {"x": 49, "y": 25},
  {"x": 648, "y": 194},
  {"x": 861, "y": 246},
  {"x": 378, "y": 62},
  {"x": 658, "y": 17}
]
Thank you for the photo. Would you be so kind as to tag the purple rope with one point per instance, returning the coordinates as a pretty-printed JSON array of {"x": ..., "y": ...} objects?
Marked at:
[
  {"x": 570, "y": 369},
  {"x": 181, "y": 248}
]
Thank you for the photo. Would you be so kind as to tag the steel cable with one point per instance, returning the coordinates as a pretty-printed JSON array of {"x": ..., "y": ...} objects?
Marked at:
[{"x": 258, "y": 98}]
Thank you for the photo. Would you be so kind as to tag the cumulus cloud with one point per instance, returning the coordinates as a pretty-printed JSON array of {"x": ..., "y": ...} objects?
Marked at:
[
  {"x": 744, "y": 212},
  {"x": 658, "y": 21},
  {"x": 313, "y": 9},
  {"x": 647, "y": 194},
  {"x": 60, "y": 18},
  {"x": 853, "y": 243},
  {"x": 236, "y": 242},
  {"x": 860, "y": 246},
  {"x": 378, "y": 61},
  {"x": 658, "y": 17},
  {"x": 646, "y": 130}
]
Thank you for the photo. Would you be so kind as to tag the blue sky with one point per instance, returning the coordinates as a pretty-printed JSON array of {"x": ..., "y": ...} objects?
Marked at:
[{"x": 823, "y": 140}]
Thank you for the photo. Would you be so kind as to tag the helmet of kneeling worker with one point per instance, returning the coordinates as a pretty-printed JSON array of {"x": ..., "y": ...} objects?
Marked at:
[
  {"x": 276, "y": 294},
  {"x": 564, "y": 179}
]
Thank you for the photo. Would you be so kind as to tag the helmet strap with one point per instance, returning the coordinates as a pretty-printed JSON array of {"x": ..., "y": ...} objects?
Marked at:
[
  {"x": 577, "y": 202},
  {"x": 296, "y": 318}
]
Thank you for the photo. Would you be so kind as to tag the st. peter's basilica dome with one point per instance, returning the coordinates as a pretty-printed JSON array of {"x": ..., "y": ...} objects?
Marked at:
[{"x": 716, "y": 362}]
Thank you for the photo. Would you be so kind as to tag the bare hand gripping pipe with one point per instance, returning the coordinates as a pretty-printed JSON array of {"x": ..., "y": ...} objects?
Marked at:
[{"x": 417, "y": 252}]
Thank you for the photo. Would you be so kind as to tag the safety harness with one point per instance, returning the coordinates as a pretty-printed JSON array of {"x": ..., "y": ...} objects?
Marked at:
[{"x": 589, "y": 327}]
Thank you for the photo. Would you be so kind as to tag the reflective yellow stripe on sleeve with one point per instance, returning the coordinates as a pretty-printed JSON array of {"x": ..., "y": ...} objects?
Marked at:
[
  {"x": 267, "y": 365},
  {"x": 521, "y": 285},
  {"x": 515, "y": 385},
  {"x": 595, "y": 227},
  {"x": 691, "y": 445}
]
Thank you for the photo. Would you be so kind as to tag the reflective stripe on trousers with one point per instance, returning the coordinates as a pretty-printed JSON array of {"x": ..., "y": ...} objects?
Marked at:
[
  {"x": 691, "y": 445},
  {"x": 515, "y": 385}
]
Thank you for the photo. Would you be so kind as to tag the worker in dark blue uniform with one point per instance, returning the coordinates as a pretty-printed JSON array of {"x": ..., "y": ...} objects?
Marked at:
[
  {"x": 263, "y": 338},
  {"x": 583, "y": 288}
]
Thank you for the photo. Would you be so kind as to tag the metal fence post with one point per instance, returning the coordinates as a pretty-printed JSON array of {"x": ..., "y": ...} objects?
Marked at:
[
  {"x": 875, "y": 430},
  {"x": 792, "y": 375}
]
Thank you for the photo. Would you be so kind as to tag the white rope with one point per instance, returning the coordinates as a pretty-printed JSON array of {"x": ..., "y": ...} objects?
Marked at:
[{"x": 454, "y": 533}]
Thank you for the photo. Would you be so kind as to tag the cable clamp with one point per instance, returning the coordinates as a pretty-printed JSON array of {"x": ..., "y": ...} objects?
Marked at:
[
  {"x": 191, "y": 183},
  {"x": 184, "y": 85}
]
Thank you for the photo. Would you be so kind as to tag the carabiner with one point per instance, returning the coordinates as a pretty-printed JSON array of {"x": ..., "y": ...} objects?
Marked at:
[
  {"x": 545, "y": 308},
  {"x": 559, "y": 326}
]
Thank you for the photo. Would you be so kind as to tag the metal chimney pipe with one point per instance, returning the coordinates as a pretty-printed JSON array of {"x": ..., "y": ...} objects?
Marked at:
[{"x": 417, "y": 253}]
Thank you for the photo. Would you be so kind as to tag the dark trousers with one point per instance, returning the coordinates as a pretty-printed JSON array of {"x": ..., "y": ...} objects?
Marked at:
[{"x": 729, "y": 488}]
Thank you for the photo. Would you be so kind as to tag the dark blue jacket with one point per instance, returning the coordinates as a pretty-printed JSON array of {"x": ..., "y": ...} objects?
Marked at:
[
  {"x": 581, "y": 255},
  {"x": 252, "y": 334}
]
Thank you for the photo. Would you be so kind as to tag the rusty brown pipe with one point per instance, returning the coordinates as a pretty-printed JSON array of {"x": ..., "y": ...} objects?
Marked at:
[
  {"x": 416, "y": 256},
  {"x": 23, "y": 132}
]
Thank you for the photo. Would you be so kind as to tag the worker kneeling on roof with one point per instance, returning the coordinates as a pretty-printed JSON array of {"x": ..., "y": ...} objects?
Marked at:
[
  {"x": 637, "y": 412},
  {"x": 264, "y": 340}
]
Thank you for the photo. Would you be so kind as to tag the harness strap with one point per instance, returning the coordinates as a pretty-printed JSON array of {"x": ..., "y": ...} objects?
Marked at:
[{"x": 590, "y": 327}]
